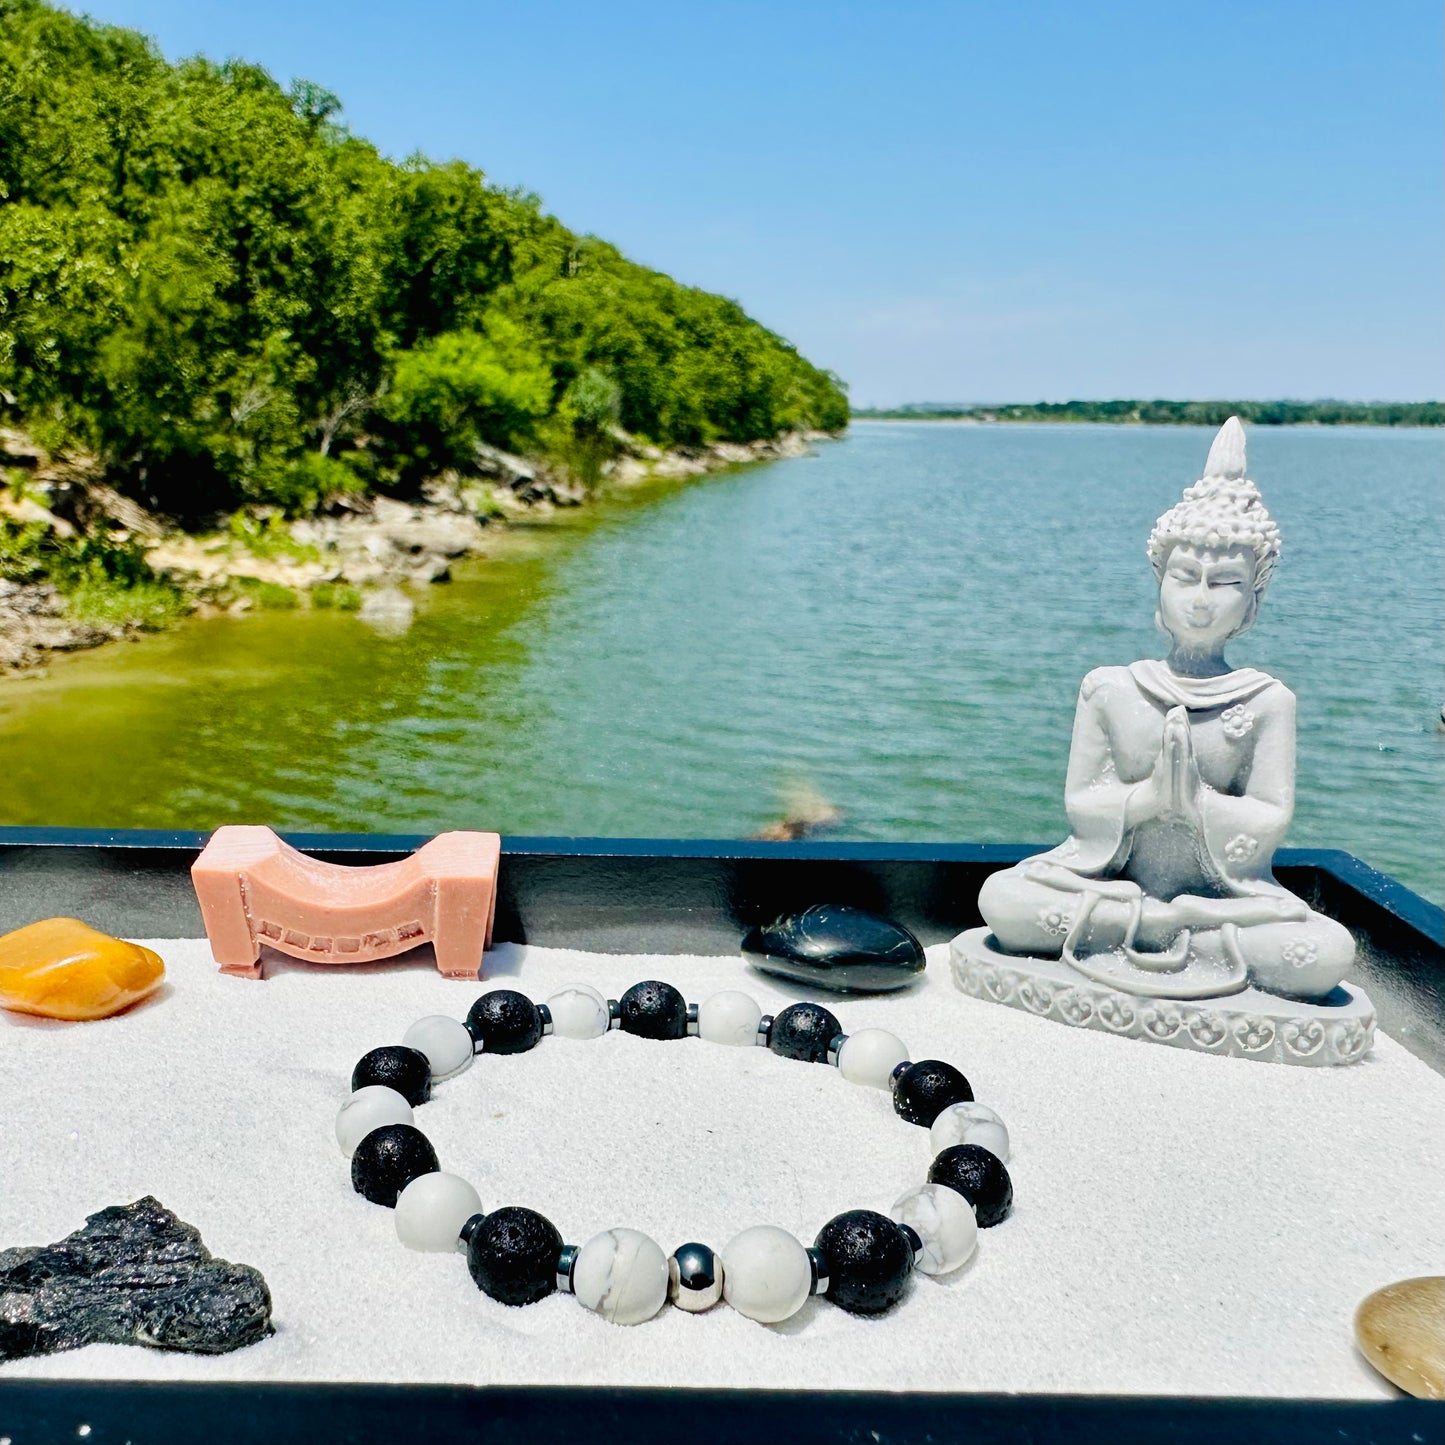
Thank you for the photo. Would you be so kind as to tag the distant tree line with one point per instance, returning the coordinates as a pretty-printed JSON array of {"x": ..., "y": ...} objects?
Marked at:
[
  {"x": 209, "y": 283},
  {"x": 1181, "y": 413}
]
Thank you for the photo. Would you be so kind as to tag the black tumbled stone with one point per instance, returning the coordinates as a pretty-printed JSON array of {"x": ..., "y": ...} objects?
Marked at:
[
  {"x": 978, "y": 1175},
  {"x": 388, "y": 1159},
  {"x": 836, "y": 947},
  {"x": 869, "y": 1261},
  {"x": 505, "y": 1022},
  {"x": 653, "y": 1010},
  {"x": 512, "y": 1255},
  {"x": 398, "y": 1067},
  {"x": 922, "y": 1091},
  {"x": 804, "y": 1031}
]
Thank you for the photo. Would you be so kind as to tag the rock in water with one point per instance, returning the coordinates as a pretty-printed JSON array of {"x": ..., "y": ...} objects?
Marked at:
[
  {"x": 1401, "y": 1332},
  {"x": 835, "y": 946},
  {"x": 134, "y": 1275},
  {"x": 62, "y": 968}
]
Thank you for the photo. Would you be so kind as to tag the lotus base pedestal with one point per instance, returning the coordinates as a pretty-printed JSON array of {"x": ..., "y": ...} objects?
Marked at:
[{"x": 1245, "y": 1025}]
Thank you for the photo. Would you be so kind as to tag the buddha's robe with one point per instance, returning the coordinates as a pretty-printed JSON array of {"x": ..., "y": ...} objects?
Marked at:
[{"x": 1086, "y": 896}]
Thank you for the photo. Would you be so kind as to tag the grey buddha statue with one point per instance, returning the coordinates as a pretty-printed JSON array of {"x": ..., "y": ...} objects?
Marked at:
[{"x": 1180, "y": 786}]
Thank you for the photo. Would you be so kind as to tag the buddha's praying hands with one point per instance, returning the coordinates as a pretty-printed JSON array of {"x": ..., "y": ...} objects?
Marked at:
[{"x": 1180, "y": 787}]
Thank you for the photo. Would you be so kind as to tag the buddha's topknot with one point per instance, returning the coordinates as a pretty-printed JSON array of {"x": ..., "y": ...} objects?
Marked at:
[{"x": 1221, "y": 510}]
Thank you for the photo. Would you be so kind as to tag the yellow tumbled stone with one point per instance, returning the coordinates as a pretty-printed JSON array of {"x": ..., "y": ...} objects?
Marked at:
[
  {"x": 1401, "y": 1332},
  {"x": 62, "y": 968}
]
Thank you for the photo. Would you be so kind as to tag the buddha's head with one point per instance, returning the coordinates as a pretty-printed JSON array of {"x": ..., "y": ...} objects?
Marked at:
[{"x": 1215, "y": 551}]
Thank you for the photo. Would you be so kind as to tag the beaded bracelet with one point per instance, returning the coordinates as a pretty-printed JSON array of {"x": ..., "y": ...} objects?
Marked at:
[{"x": 860, "y": 1260}]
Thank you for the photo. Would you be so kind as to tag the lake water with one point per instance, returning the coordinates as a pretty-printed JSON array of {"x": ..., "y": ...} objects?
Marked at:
[{"x": 898, "y": 623}]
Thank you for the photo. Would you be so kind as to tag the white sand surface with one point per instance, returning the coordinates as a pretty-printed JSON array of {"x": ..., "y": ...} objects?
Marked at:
[{"x": 1183, "y": 1224}]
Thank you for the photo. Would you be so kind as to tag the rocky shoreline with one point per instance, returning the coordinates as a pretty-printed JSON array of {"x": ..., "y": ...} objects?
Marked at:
[{"x": 366, "y": 555}]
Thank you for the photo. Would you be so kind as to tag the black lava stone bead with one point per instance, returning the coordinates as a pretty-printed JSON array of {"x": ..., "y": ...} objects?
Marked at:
[
  {"x": 925, "y": 1089},
  {"x": 512, "y": 1255},
  {"x": 979, "y": 1176},
  {"x": 653, "y": 1010},
  {"x": 505, "y": 1022},
  {"x": 869, "y": 1261},
  {"x": 388, "y": 1159},
  {"x": 804, "y": 1031},
  {"x": 405, "y": 1070}
]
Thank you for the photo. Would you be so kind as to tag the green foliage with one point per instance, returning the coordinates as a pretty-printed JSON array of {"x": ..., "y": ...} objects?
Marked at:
[
  {"x": 590, "y": 414},
  {"x": 268, "y": 537},
  {"x": 273, "y": 596},
  {"x": 22, "y": 550},
  {"x": 103, "y": 578},
  {"x": 462, "y": 388},
  {"x": 1185, "y": 413},
  {"x": 210, "y": 283},
  {"x": 299, "y": 485},
  {"x": 149, "y": 606},
  {"x": 100, "y": 559},
  {"x": 335, "y": 594},
  {"x": 593, "y": 403}
]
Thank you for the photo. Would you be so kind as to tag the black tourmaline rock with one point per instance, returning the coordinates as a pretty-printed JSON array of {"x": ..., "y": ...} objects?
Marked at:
[
  {"x": 134, "y": 1275},
  {"x": 834, "y": 946}
]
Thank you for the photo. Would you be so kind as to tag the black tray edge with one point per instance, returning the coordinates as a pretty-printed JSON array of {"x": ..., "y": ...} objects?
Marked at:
[{"x": 47, "y": 1412}]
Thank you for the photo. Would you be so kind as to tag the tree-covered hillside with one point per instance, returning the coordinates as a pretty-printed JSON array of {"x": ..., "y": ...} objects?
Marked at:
[
  {"x": 1179, "y": 413},
  {"x": 210, "y": 284}
]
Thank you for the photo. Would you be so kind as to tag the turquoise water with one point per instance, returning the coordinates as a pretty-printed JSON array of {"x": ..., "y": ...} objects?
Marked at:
[{"x": 898, "y": 624}]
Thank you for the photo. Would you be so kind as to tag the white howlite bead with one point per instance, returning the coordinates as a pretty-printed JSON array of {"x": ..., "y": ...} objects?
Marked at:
[
  {"x": 969, "y": 1124},
  {"x": 367, "y": 1109},
  {"x": 870, "y": 1056},
  {"x": 579, "y": 1012},
  {"x": 621, "y": 1275},
  {"x": 447, "y": 1044},
  {"x": 729, "y": 1018},
  {"x": 766, "y": 1274},
  {"x": 431, "y": 1210},
  {"x": 944, "y": 1220}
]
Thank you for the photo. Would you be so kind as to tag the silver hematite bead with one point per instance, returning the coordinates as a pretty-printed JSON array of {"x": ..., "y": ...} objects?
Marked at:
[
  {"x": 818, "y": 1264},
  {"x": 694, "y": 1278},
  {"x": 566, "y": 1260}
]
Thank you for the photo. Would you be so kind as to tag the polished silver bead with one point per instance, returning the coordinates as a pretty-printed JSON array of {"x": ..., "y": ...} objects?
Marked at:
[
  {"x": 694, "y": 1278},
  {"x": 835, "y": 1048},
  {"x": 765, "y": 1026},
  {"x": 819, "y": 1266},
  {"x": 566, "y": 1261},
  {"x": 545, "y": 1014},
  {"x": 614, "y": 1014},
  {"x": 692, "y": 1020}
]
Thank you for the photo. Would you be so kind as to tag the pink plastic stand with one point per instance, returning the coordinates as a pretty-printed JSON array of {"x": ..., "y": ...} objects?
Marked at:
[{"x": 255, "y": 889}]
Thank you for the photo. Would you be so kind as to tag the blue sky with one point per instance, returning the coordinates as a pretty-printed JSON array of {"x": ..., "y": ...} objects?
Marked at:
[{"x": 947, "y": 201}]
